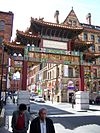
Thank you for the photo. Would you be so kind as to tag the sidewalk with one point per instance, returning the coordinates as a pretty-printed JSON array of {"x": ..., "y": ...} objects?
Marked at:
[
  {"x": 2, "y": 118},
  {"x": 93, "y": 109}
]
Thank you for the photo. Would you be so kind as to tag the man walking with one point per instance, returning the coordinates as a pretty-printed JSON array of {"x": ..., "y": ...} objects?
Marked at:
[
  {"x": 42, "y": 124},
  {"x": 20, "y": 120}
]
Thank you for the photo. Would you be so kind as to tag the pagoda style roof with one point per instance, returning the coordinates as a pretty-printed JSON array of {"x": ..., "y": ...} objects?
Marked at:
[
  {"x": 44, "y": 28},
  {"x": 56, "y": 25}
]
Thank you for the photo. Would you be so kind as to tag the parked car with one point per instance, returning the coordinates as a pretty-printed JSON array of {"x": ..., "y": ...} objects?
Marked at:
[
  {"x": 97, "y": 100},
  {"x": 39, "y": 99},
  {"x": 32, "y": 96}
]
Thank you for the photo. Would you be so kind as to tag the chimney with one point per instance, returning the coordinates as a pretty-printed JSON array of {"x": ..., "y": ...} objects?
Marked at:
[
  {"x": 88, "y": 18},
  {"x": 56, "y": 16}
]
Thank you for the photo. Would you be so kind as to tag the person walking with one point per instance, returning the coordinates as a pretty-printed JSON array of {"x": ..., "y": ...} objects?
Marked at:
[
  {"x": 42, "y": 124},
  {"x": 73, "y": 100},
  {"x": 20, "y": 119}
]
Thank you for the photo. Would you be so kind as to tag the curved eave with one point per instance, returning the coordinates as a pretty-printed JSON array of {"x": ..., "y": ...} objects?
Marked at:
[
  {"x": 27, "y": 35},
  {"x": 14, "y": 46},
  {"x": 83, "y": 43},
  {"x": 41, "y": 22}
]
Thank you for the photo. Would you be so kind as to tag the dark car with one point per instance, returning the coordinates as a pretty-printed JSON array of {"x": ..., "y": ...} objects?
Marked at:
[{"x": 97, "y": 100}]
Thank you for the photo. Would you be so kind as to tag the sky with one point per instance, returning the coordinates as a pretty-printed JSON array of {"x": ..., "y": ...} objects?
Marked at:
[{"x": 25, "y": 9}]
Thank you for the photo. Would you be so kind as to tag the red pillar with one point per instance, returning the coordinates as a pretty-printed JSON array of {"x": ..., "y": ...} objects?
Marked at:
[
  {"x": 69, "y": 45},
  {"x": 81, "y": 87},
  {"x": 24, "y": 75}
]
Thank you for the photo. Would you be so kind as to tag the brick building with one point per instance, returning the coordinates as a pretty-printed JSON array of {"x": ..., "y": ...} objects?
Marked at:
[{"x": 6, "y": 25}]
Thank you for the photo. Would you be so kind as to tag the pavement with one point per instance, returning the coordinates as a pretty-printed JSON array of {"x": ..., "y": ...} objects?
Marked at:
[{"x": 66, "y": 119}]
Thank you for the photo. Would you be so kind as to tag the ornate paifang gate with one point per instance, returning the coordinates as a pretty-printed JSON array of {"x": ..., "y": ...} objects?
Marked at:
[
  {"x": 48, "y": 55},
  {"x": 49, "y": 39}
]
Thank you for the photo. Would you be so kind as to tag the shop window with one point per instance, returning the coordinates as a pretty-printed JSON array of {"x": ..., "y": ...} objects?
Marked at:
[{"x": 2, "y": 25}]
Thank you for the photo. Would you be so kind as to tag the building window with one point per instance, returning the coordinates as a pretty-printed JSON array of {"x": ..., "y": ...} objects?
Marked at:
[
  {"x": 1, "y": 39},
  {"x": 98, "y": 39},
  {"x": 92, "y": 38},
  {"x": 57, "y": 71},
  {"x": 94, "y": 73},
  {"x": 70, "y": 72},
  {"x": 85, "y": 37},
  {"x": 2, "y": 25},
  {"x": 99, "y": 48},
  {"x": 93, "y": 48},
  {"x": 52, "y": 73},
  {"x": 41, "y": 66},
  {"x": 48, "y": 75}
]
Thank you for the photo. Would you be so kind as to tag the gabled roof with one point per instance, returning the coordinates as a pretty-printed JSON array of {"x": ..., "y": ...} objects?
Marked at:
[{"x": 72, "y": 16}]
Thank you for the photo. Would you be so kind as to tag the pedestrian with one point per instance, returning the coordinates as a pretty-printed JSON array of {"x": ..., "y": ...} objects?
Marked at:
[
  {"x": 42, "y": 124},
  {"x": 73, "y": 100},
  {"x": 20, "y": 119}
]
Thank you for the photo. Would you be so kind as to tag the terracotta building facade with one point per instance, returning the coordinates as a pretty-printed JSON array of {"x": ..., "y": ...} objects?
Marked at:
[{"x": 6, "y": 27}]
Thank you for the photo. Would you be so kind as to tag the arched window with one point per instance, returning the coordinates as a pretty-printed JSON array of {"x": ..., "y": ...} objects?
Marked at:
[{"x": 2, "y": 25}]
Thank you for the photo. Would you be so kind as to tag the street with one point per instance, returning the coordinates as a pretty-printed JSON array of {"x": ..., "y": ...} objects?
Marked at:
[{"x": 64, "y": 121}]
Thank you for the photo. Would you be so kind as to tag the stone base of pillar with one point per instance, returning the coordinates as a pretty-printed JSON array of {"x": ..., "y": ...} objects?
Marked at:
[
  {"x": 82, "y": 101},
  {"x": 24, "y": 97}
]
